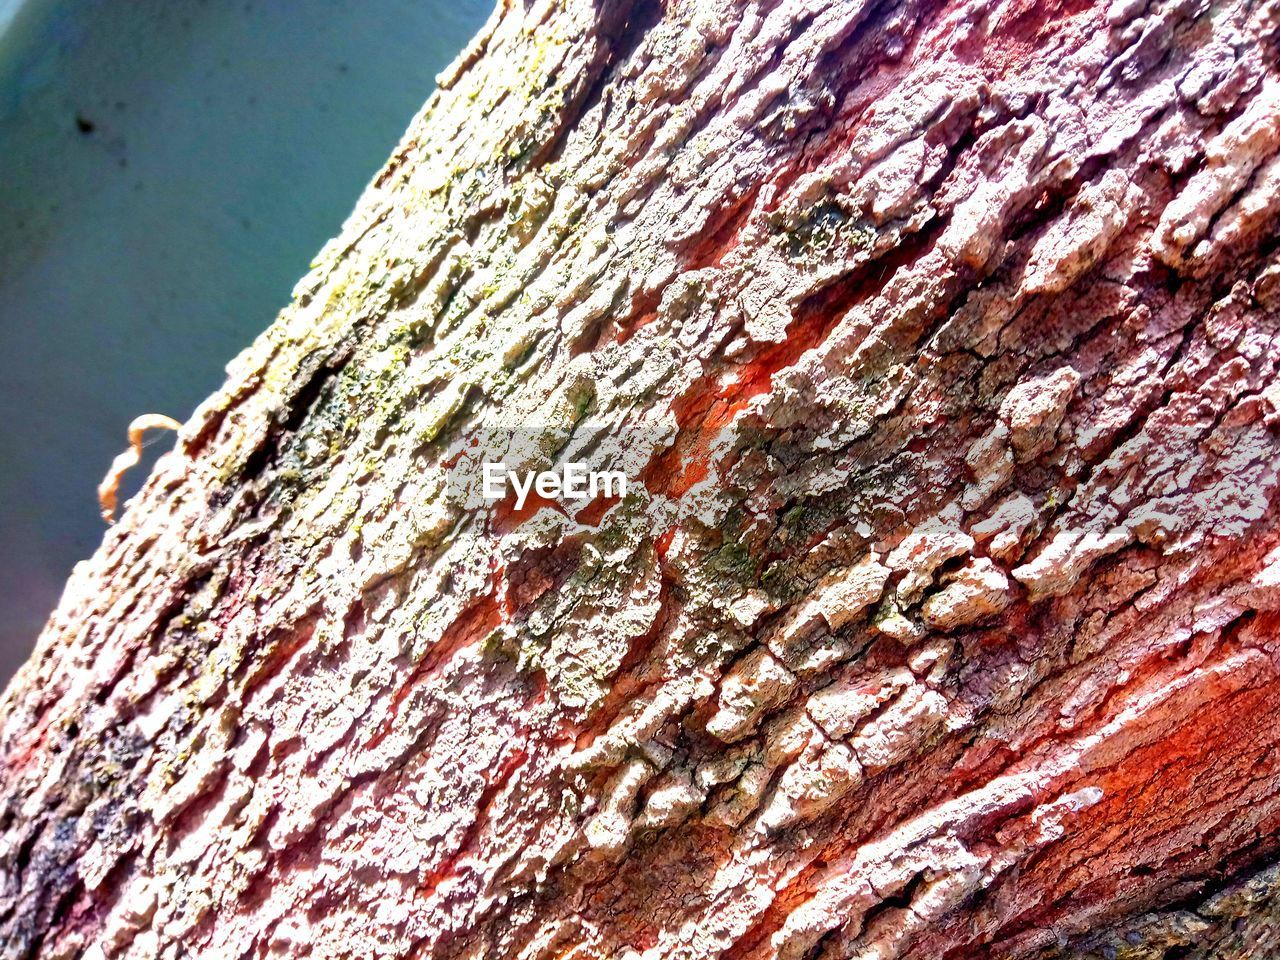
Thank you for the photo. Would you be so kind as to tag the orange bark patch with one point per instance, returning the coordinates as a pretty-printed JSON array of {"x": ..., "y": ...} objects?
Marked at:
[
  {"x": 710, "y": 405},
  {"x": 1122, "y": 848}
]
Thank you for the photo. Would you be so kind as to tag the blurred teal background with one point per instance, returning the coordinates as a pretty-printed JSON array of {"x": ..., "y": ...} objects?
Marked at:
[{"x": 168, "y": 168}]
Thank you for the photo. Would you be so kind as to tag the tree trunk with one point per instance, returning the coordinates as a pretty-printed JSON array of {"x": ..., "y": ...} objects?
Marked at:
[{"x": 938, "y": 344}]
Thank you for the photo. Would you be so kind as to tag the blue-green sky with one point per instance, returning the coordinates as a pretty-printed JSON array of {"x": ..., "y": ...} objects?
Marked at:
[{"x": 167, "y": 170}]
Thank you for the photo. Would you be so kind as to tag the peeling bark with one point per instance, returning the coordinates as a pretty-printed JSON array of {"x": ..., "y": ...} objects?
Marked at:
[{"x": 941, "y": 621}]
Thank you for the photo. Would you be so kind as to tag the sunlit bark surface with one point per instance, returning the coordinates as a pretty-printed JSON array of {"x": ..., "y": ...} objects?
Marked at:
[{"x": 941, "y": 619}]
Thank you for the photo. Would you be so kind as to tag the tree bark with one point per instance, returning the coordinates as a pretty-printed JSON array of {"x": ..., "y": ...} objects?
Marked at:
[{"x": 939, "y": 620}]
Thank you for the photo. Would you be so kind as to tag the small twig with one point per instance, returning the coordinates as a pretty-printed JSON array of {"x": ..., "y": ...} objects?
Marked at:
[{"x": 110, "y": 485}]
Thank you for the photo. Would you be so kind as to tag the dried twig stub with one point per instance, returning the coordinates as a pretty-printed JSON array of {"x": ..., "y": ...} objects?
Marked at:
[{"x": 110, "y": 485}]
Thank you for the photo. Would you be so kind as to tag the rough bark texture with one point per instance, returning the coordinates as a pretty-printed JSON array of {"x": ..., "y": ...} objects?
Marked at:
[{"x": 942, "y": 620}]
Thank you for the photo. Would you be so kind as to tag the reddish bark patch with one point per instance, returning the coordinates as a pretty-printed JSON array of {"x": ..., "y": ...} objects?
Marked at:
[
  {"x": 499, "y": 778},
  {"x": 476, "y": 621},
  {"x": 535, "y": 573},
  {"x": 287, "y": 644},
  {"x": 630, "y": 680},
  {"x": 720, "y": 234},
  {"x": 1121, "y": 849},
  {"x": 663, "y": 543},
  {"x": 644, "y": 310},
  {"x": 711, "y": 403},
  {"x": 506, "y": 517},
  {"x": 594, "y": 512},
  {"x": 21, "y": 755}
]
